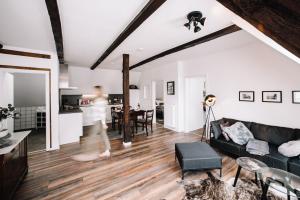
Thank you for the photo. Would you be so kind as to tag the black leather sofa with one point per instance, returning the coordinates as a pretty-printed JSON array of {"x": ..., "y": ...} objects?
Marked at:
[{"x": 274, "y": 135}]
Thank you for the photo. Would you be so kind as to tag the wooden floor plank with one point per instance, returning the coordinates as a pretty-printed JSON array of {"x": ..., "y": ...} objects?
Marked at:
[{"x": 146, "y": 170}]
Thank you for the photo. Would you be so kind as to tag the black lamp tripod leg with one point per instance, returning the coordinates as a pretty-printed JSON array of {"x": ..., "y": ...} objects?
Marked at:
[
  {"x": 213, "y": 113},
  {"x": 204, "y": 126}
]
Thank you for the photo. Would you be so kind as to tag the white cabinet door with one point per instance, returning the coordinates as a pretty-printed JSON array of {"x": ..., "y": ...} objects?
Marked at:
[{"x": 70, "y": 127}]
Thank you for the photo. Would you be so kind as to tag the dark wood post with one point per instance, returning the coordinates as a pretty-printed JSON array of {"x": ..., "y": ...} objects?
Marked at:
[{"x": 126, "y": 125}]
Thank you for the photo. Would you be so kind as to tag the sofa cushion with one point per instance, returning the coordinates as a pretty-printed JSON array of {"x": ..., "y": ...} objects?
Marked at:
[
  {"x": 227, "y": 146},
  {"x": 275, "y": 159},
  {"x": 297, "y": 134},
  {"x": 294, "y": 166},
  {"x": 272, "y": 134},
  {"x": 216, "y": 128}
]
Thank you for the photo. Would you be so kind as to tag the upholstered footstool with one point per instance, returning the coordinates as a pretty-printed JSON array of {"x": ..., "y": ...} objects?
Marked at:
[{"x": 197, "y": 156}]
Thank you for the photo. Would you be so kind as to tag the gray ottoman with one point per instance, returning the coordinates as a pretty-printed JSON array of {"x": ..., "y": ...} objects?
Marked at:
[{"x": 197, "y": 156}]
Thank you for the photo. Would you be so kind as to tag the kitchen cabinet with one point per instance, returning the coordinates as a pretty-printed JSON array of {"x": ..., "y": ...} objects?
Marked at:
[
  {"x": 13, "y": 165},
  {"x": 70, "y": 127}
]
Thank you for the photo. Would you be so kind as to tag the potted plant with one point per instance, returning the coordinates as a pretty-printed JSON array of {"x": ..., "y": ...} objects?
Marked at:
[{"x": 6, "y": 113}]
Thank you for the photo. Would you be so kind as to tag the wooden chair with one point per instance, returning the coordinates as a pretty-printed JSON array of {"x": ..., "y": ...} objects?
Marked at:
[
  {"x": 146, "y": 120},
  {"x": 114, "y": 117}
]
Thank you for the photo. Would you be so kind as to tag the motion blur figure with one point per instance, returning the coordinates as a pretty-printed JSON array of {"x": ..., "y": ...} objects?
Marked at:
[{"x": 99, "y": 112}]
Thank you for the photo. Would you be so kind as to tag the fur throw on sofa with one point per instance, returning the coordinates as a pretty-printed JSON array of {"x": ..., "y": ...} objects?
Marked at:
[{"x": 290, "y": 149}]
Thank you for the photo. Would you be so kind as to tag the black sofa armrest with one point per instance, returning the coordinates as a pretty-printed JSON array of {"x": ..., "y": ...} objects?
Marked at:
[{"x": 216, "y": 129}]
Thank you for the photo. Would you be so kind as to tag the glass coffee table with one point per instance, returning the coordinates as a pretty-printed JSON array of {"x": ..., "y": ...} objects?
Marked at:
[
  {"x": 251, "y": 165},
  {"x": 281, "y": 181}
]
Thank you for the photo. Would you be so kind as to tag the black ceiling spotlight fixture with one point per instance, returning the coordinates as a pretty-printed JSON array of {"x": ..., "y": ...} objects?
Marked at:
[
  {"x": 1, "y": 46},
  {"x": 195, "y": 18}
]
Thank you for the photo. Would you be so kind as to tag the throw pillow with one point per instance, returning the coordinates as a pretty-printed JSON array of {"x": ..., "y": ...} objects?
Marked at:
[
  {"x": 258, "y": 147},
  {"x": 239, "y": 133},
  {"x": 290, "y": 149},
  {"x": 223, "y": 125}
]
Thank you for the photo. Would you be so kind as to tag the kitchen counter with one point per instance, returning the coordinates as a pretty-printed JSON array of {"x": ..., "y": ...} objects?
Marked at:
[{"x": 16, "y": 137}]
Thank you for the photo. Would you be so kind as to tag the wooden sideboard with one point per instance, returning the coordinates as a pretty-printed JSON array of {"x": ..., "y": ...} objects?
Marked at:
[{"x": 13, "y": 167}]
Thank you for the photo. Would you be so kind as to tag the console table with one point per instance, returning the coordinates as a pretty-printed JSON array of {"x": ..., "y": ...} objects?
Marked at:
[{"x": 13, "y": 165}]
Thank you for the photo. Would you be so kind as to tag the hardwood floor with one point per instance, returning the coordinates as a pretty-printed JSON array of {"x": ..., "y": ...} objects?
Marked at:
[{"x": 146, "y": 170}]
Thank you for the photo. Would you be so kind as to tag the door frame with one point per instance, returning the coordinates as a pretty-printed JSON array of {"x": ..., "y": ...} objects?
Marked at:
[
  {"x": 186, "y": 96},
  {"x": 47, "y": 73}
]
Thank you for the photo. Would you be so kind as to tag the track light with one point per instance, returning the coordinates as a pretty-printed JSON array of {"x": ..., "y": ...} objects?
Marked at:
[
  {"x": 195, "y": 18},
  {"x": 197, "y": 29},
  {"x": 202, "y": 20},
  {"x": 188, "y": 25}
]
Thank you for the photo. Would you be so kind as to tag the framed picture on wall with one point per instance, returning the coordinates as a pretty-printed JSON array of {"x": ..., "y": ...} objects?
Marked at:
[
  {"x": 296, "y": 97},
  {"x": 171, "y": 88},
  {"x": 272, "y": 96},
  {"x": 246, "y": 96}
]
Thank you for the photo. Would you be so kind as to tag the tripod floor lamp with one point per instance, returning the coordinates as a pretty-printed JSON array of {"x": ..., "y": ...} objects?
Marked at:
[{"x": 209, "y": 102}]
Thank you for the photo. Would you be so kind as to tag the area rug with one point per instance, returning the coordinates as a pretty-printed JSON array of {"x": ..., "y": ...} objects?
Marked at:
[{"x": 215, "y": 189}]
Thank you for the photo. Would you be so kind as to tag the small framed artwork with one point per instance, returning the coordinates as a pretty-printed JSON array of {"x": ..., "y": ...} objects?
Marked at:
[
  {"x": 272, "y": 96},
  {"x": 171, "y": 88},
  {"x": 246, "y": 96},
  {"x": 296, "y": 97}
]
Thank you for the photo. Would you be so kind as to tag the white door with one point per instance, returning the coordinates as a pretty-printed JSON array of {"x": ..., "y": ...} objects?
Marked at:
[{"x": 194, "y": 88}]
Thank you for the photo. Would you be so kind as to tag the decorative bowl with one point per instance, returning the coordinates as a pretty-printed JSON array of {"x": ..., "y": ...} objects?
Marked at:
[{"x": 3, "y": 133}]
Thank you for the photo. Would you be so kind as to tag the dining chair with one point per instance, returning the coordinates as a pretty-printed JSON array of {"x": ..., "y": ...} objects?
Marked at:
[{"x": 146, "y": 120}]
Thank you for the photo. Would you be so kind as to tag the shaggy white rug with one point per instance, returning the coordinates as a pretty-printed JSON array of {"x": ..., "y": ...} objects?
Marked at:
[{"x": 215, "y": 189}]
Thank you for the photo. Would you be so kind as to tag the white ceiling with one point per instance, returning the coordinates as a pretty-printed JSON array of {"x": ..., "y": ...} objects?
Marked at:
[
  {"x": 89, "y": 27},
  {"x": 164, "y": 30},
  {"x": 225, "y": 43},
  {"x": 26, "y": 24}
]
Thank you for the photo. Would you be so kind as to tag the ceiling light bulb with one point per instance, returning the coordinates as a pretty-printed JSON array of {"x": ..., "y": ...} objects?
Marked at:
[
  {"x": 197, "y": 29},
  {"x": 187, "y": 25},
  {"x": 202, "y": 20}
]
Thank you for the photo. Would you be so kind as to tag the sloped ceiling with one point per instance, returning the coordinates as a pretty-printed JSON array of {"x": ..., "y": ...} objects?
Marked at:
[
  {"x": 26, "y": 24},
  {"x": 89, "y": 27}
]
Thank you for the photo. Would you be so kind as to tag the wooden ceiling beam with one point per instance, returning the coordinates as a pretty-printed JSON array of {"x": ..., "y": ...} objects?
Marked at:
[
  {"x": 53, "y": 12},
  {"x": 143, "y": 15},
  {"x": 24, "y": 53},
  {"x": 209, "y": 37},
  {"x": 279, "y": 20}
]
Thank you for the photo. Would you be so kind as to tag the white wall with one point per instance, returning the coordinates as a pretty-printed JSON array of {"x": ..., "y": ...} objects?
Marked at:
[
  {"x": 255, "y": 67},
  {"x": 29, "y": 90},
  {"x": 85, "y": 79},
  {"x": 7, "y": 96},
  {"x": 166, "y": 73},
  {"x": 40, "y": 63}
]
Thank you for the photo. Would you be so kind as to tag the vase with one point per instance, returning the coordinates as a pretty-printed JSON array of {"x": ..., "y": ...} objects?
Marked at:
[
  {"x": 3, "y": 131},
  {"x": 1, "y": 125}
]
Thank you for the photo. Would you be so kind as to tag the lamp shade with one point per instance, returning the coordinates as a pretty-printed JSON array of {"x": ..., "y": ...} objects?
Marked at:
[{"x": 210, "y": 100}]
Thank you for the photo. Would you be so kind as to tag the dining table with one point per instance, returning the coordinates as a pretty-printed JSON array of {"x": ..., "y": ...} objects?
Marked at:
[{"x": 133, "y": 117}]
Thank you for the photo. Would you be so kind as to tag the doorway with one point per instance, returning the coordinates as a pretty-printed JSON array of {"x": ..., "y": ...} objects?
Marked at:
[
  {"x": 30, "y": 95},
  {"x": 30, "y": 102},
  {"x": 194, "y": 96},
  {"x": 158, "y": 101}
]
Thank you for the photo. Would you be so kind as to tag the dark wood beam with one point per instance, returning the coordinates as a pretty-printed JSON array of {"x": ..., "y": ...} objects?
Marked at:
[
  {"x": 24, "y": 53},
  {"x": 56, "y": 28},
  {"x": 212, "y": 36},
  {"x": 143, "y": 15},
  {"x": 126, "y": 125},
  {"x": 277, "y": 19}
]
